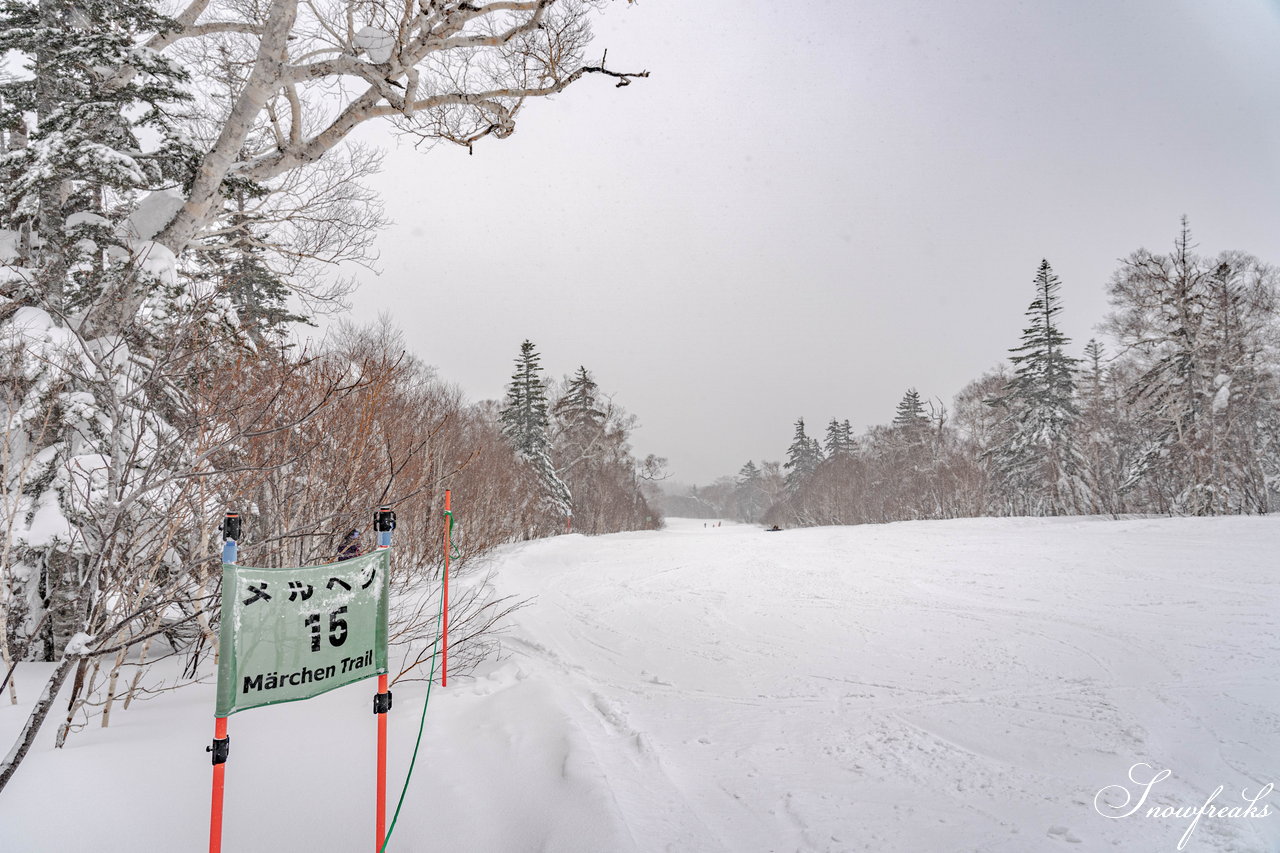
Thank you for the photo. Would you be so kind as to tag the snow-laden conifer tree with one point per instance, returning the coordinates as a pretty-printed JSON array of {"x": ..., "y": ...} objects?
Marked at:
[
  {"x": 840, "y": 440},
  {"x": 524, "y": 418},
  {"x": 72, "y": 161},
  {"x": 527, "y": 424},
  {"x": 88, "y": 400},
  {"x": 236, "y": 262},
  {"x": 1098, "y": 433},
  {"x": 908, "y": 456},
  {"x": 803, "y": 457},
  {"x": 910, "y": 421},
  {"x": 585, "y": 451},
  {"x": 749, "y": 494},
  {"x": 580, "y": 418},
  {"x": 1037, "y": 457},
  {"x": 592, "y": 455},
  {"x": 910, "y": 410}
]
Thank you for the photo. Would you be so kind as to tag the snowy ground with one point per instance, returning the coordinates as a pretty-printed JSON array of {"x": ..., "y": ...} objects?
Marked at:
[{"x": 935, "y": 686}]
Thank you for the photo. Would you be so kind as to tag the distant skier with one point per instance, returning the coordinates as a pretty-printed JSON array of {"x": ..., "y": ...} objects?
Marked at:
[{"x": 350, "y": 547}]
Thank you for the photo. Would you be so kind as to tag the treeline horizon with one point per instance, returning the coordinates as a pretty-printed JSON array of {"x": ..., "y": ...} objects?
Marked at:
[{"x": 1174, "y": 410}]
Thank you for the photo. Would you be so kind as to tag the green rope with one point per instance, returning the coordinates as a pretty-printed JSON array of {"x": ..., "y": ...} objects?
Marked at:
[
  {"x": 454, "y": 553},
  {"x": 423, "y": 722}
]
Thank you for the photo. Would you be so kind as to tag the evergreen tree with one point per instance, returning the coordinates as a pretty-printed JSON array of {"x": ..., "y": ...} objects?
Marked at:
[
  {"x": 580, "y": 418},
  {"x": 524, "y": 416},
  {"x": 749, "y": 492},
  {"x": 910, "y": 422},
  {"x": 235, "y": 260},
  {"x": 1097, "y": 434},
  {"x": 840, "y": 440},
  {"x": 73, "y": 171},
  {"x": 909, "y": 458},
  {"x": 910, "y": 411},
  {"x": 1037, "y": 459},
  {"x": 581, "y": 453},
  {"x": 69, "y": 181},
  {"x": 1093, "y": 370},
  {"x": 803, "y": 457},
  {"x": 526, "y": 425},
  {"x": 1162, "y": 302}
]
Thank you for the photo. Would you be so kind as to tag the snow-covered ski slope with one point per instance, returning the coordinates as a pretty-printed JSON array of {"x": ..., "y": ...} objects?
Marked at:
[{"x": 933, "y": 686}]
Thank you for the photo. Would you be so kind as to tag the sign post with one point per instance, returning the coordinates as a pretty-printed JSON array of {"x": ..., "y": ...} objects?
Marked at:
[
  {"x": 221, "y": 746},
  {"x": 384, "y": 522},
  {"x": 294, "y": 633}
]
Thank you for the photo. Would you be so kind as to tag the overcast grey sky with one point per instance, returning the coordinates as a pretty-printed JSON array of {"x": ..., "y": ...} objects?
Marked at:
[{"x": 811, "y": 206}]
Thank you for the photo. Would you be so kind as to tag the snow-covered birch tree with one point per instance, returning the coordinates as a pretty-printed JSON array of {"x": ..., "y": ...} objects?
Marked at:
[{"x": 1202, "y": 334}]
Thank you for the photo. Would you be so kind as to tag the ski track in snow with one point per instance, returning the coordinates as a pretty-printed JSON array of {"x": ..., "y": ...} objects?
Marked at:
[{"x": 928, "y": 686}]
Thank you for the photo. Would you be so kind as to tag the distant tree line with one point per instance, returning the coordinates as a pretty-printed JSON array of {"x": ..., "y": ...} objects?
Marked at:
[{"x": 1181, "y": 417}]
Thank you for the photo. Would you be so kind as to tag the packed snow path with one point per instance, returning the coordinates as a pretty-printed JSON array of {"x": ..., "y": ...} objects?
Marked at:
[
  {"x": 936, "y": 686},
  {"x": 933, "y": 686}
]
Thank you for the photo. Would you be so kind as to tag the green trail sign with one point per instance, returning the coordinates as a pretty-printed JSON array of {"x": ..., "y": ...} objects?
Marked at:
[{"x": 290, "y": 634}]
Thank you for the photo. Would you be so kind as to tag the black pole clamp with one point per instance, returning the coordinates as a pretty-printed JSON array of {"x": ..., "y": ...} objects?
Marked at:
[
  {"x": 384, "y": 520},
  {"x": 382, "y": 702},
  {"x": 221, "y": 749}
]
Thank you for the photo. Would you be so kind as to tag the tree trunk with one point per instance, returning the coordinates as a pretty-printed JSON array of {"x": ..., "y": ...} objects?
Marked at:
[
  {"x": 111, "y": 687},
  {"x": 213, "y": 169},
  {"x": 79, "y": 692},
  {"x": 6, "y": 657},
  {"x": 137, "y": 675},
  {"x": 27, "y": 736}
]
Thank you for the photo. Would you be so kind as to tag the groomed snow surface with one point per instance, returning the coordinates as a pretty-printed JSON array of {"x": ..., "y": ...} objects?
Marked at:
[{"x": 931, "y": 686}]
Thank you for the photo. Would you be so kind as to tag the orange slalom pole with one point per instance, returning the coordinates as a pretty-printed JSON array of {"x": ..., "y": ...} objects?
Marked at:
[
  {"x": 444, "y": 613},
  {"x": 381, "y": 820},
  {"x": 382, "y": 772},
  {"x": 219, "y": 769}
]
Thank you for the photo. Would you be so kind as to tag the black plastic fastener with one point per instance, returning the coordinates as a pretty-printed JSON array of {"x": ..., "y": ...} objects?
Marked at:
[
  {"x": 221, "y": 749},
  {"x": 382, "y": 702}
]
